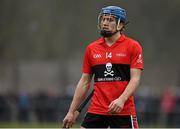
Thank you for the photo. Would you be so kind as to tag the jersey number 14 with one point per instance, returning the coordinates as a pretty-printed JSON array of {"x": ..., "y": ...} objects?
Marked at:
[{"x": 108, "y": 54}]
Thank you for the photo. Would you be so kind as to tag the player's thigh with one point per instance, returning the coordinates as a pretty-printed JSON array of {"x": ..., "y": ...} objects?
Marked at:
[
  {"x": 94, "y": 121},
  {"x": 123, "y": 122}
]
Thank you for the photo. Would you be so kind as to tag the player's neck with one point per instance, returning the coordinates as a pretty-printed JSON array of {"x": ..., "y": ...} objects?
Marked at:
[{"x": 111, "y": 40}]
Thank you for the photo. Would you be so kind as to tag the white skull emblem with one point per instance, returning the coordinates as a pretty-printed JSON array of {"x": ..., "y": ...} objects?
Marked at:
[
  {"x": 109, "y": 70},
  {"x": 108, "y": 67}
]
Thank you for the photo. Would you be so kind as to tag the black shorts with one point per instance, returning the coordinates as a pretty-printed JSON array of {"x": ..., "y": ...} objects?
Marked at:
[{"x": 103, "y": 121}]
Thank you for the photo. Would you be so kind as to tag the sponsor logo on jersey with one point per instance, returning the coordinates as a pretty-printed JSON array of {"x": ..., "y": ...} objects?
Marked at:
[
  {"x": 109, "y": 79},
  {"x": 121, "y": 54},
  {"x": 111, "y": 72}
]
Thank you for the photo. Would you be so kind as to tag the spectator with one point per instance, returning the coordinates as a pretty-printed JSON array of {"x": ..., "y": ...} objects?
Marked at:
[
  {"x": 168, "y": 103},
  {"x": 23, "y": 105}
]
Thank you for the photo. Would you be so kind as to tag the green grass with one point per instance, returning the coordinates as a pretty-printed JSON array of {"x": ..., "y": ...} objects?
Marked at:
[
  {"x": 29, "y": 125},
  {"x": 32, "y": 125},
  {"x": 48, "y": 125}
]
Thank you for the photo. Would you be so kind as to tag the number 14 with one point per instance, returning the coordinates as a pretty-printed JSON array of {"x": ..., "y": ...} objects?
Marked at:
[{"x": 108, "y": 54}]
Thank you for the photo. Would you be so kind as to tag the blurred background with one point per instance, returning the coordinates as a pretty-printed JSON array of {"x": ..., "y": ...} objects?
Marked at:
[{"x": 42, "y": 43}]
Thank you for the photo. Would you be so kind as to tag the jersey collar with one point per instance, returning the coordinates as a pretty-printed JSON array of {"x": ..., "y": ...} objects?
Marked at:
[{"x": 121, "y": 39}]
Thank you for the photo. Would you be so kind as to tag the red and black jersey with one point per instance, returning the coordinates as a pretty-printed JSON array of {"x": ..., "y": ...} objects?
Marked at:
[{"x": 111, "y": 66}]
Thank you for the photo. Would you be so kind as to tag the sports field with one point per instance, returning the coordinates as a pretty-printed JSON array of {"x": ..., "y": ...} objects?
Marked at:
[
  {"x": 29, "y": 125},
  {"x": 47, "y": 125}
]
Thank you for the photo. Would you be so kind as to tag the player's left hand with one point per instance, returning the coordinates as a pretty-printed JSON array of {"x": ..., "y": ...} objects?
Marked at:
[{"x": 116, "y": 106}]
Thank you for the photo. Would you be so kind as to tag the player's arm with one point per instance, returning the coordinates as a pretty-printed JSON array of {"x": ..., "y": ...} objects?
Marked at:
[
  {"x": 118, "y": 104},
  {"x": 80, "y": 93}
]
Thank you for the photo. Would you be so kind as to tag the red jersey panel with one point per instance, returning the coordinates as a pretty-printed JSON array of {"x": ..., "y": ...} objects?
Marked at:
[{"x": 111, "y": 69}]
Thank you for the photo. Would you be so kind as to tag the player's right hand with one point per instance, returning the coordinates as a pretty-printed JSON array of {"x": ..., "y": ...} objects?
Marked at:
[{"x": 68, "y": 120}]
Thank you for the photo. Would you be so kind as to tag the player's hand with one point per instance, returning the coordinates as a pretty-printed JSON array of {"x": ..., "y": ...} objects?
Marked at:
[
  {"x": 116, "y": 106},
  {"x": 68, "y": 120},
  {"x": 76, "y": 114}
]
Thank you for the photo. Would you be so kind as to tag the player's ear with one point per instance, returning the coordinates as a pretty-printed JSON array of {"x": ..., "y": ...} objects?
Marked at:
[{"x": 120, "y": 25}]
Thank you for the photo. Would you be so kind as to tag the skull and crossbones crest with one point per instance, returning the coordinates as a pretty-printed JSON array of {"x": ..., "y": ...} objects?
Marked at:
[{"x": 108, "y": 70}]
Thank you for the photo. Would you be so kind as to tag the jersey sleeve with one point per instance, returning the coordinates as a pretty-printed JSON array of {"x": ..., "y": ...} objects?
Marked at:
[
  {"x": 137, "y": 60},
  {"x": 86, "y": 68}
]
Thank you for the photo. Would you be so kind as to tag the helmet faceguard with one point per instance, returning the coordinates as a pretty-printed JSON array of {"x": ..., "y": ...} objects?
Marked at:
[{"x": 117, "y": 12}]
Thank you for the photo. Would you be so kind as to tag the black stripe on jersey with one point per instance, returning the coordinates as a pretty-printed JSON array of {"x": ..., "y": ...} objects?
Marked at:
[{"x": 111, "y": 72}]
